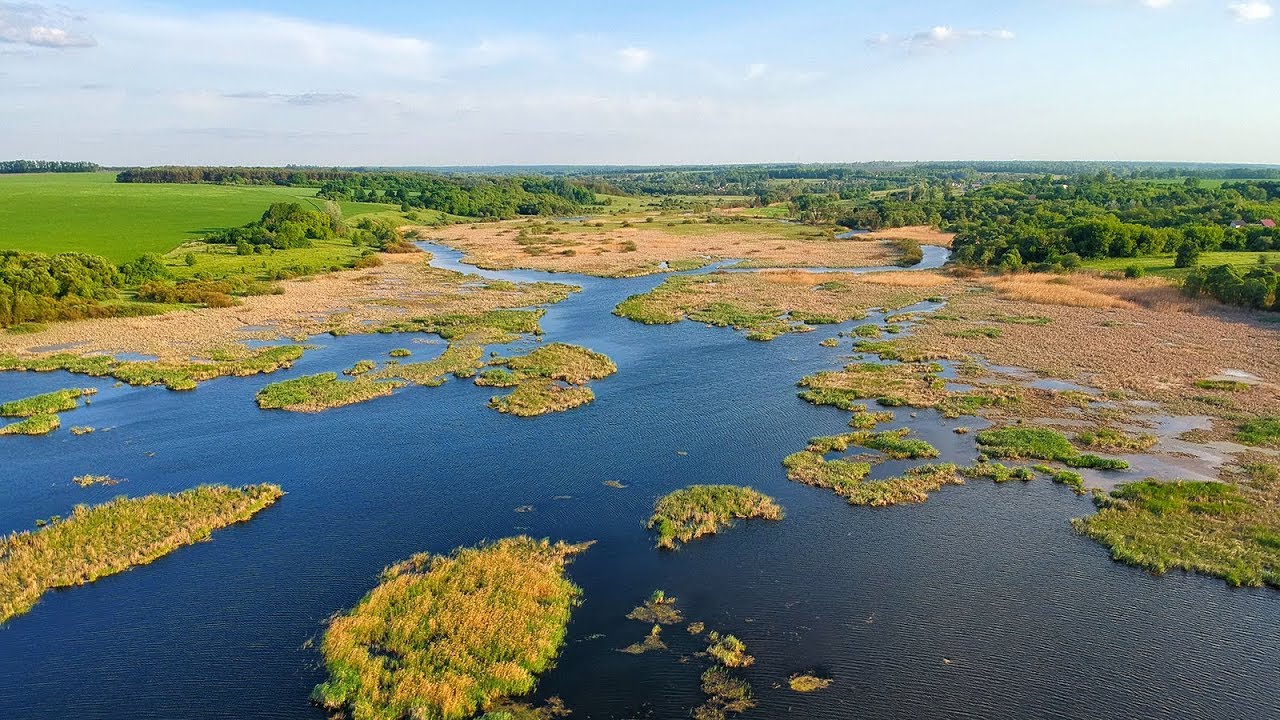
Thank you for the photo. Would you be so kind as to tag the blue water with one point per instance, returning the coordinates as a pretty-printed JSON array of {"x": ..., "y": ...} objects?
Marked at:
[{"x": 980, "y": 603}]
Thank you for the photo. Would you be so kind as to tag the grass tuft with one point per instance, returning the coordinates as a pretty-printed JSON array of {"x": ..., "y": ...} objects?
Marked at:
[{"x": 699, "y": 510}]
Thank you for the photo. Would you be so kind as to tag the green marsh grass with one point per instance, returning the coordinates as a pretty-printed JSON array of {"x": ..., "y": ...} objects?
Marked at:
[
  {"x": 550, "y": 379},
  {"x": 1262, "y": 432},
  {"x": 699, "y": 510},
  {"x": 657, "y": 610},
  {"x": 808, "y": 682},
  {"x": 444, "y": 637},
  {"x": 725, "y": 694},
  {"x": 173, "y": 375},
  {"x": 729, "y": 651},
  {"x": 1023, "y": 443},
  {"x": 34, "y": 425},
  {"x": 46, "y": 404},
  {"x": 94, "y": 542},
  {"x": 315, "y": 393}
]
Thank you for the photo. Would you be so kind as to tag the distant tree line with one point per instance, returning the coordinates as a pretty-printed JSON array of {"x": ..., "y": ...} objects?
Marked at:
[
  {"x": 292, "y": 176},
  {"x": 14, "y": 167},
  {"x": 469, "y": 196}
]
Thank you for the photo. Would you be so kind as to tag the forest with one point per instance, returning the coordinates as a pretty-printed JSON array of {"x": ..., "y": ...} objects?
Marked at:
[
  {"x": 17, "y": 167},
  {"x": 478, "y": 197}
]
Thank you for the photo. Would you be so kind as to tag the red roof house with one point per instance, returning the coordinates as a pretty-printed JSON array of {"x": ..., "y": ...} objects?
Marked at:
[{"x": 1269, "y": 223}]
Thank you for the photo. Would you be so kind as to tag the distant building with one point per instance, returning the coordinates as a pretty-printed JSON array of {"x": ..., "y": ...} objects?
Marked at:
[
  {"x": 1269, "y": 223},
  {"x": 1239, "y": 224}
]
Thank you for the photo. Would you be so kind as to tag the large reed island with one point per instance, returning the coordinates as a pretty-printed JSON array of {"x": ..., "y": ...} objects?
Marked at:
[
  {"x": 314, "y": 393},
  {"x": 550, "y": 379},
  {"x": 46, "y": 404},
  {"x": 699, "y": 510},
  {"x": 94, "y": 542},
  {"x": 1225, "y": 529},
  {"x": 444, "y": 637},
  {"x": 236, "y": 362}
]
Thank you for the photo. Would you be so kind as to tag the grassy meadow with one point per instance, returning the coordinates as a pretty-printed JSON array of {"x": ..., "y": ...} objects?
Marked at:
[{"x": 1162, "y": 265}]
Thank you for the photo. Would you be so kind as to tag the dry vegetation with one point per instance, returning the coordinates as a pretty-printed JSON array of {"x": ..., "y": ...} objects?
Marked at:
[
  {"x": 443, "y": 637},
  {"x": 699, "y": 510},
  {"x": 94, "y": 542},
  {"x": 550, "y": 379},
  {"x": 634, "y": 247}
]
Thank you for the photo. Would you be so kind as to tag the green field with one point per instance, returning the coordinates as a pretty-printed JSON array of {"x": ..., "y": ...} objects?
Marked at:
[
  {"x": 90, "y": 212},
  {"x": 1163, "y": 264}
]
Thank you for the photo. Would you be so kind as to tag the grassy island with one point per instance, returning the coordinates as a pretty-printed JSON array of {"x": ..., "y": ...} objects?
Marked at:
[
  {"x": 173, "y": 375},
  {"x": 1229, "y": 530},
  {"x": 550, "y": 379},
  {"x": 917, "y": 385},
  {"x": 847, "y": 478},
  {"x": 808, "y": 682},
  {"x": 1041, "y": 444},
  {"x": 46, "y": 404},
  {"x": 444, "y": 637},
  {"x": 314, "y": 393},
  {"x": 699, "y": 510},
  {"x": 34, "y": 425},
  {"x": 459, "y": 360},
  {"x": 94, "y": 542}
]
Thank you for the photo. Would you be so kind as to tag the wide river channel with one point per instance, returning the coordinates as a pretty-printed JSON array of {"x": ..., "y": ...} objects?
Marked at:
[{"x": 980, "y": 603}]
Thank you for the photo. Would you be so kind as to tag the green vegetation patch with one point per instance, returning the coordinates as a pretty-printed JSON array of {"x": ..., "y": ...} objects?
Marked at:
[
  {"x": 1263, "y": 432},
  {"x": 446, "y": 636},
  {"x": 894, "y": 444},
  {"x": 1229, "y": 530},
  {"x": 34, "y": 425},
  {"x": 493, "y": 326},
  {"x": 808, "y": 682},
  {"x": 1041, "y": 444},
  {"x": 97, "y": 541},
  {"x": 698, "y": 510},
  {"x": 457, "y": 359},
  {"x": 658, "y": 610},
  {"x": 651, "y": 643},
  {"x": 1114, "y": 440},
  {"x": 548, "y": 379},
  {"x": 848, "y": 479},
  {"x": 46, "y": 404},
  {"x": 725, "y": 694},
  {"x": 314, "y": 393},
  {"x": 729, "y": 651},
  {"x": 173, "y": 375}
]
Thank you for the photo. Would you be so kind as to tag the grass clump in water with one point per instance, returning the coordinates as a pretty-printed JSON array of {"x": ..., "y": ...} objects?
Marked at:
[
  {"x": 459, "y": 360},
  {"x": 34, "y": 425},
  {"x": 848, "y": 479},
  {"x": 999, "y": 473},
  {"x": 894, "y": 444},
  {"x": 725, "y": 694},
  {"x": 444, "y": 637},
  {"x": 1106, "y": 438},
  {"x": 549, "y": 379},
  {"x": 658, "y": 609},
  {"x": 85, "y": 481},
  {"x": 360, "y": 368},
  {"x": 1041, "y": 444},
  {"x": 1229, "y": 530},
  {"x": 729, "y": 651},
  {"x": 808, "y": 682},
  {"x": 1070, "y": 478},
  {"x": 94, "y": 542},
  {"x": 650, "y": 643},
  {"x": 315, "y": 393},
  {"x": 400, "y": 353},
  {"x": 46, "y": 404},
  {"x": 698, "y": 510},
  {"x": 1263, "y": 432},
  {"x": 173, "y": 375}
]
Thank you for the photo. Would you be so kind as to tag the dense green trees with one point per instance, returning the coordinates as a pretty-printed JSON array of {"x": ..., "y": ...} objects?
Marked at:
[
  {"x": 1254, "y": 288},
  {"x": 282, "y": 226},
  {"x": 36, "y": 287},
  {"x": 12, "y": 167},
  {"x": 469, "y": 196},
  {"x": 306, "y": 177}
]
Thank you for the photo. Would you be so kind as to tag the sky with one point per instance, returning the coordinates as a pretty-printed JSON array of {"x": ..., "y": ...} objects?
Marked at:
[{"x": 431, "y": 83}]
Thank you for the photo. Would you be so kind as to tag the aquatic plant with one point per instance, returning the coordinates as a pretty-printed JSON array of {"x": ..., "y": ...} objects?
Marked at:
[
  {"x": 548, "y": 379},
  {"x": 457, "y": 359},
  {"x": 658, "y": 609},
  {"x": 93, "y": 542},
  {"x": 999, "y": 473},
  {"x": 650, "y": 643},
  {"x": 698, "y": 510},
  {"x": 173, "y": 375},
  {"x": 46, "y": 404},
  {"x": 314, "y": 393},
  {"x": 893, "y": 443},
  {"x": 81, "y": 430},
  {"x": 1021, "y": 443},
  {"x": 725, "y": 694},
  {"x": 443, "y": 637},
  {"x": 360, "y": 368},
  {"x": 729, "y": 651},
  {"x": 1229, "y": 530},
  {"x": 1115, "y": 440},
  {"x": 1262, "y": 432},
  {"x": 808, "y": 682},
  {"x": 400, "y": 353},
  {"x": 34, "y": 425},
  {"x": 85, "y": 481}
]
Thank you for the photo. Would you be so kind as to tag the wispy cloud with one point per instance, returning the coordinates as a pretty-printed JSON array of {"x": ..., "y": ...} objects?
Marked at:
[
  {"x": 1252, "y": 11},
  {"x": 939, "y": 36},
  {"x": 40, "y": 26},
  {"x": 634, "y": 59},
  {"x": 301, "y": 99}
]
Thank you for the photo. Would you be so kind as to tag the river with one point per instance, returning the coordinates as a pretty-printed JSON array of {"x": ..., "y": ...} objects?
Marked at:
[{"x": 979, "y": 603}]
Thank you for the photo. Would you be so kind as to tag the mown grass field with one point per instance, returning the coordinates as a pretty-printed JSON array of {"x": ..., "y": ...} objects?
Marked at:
[
  {"x": 90, "y": 212},
  {"x": 1162, "y": 265}
]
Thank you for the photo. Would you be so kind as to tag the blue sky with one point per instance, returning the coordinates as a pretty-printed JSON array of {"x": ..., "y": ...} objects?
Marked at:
[{"x": 449, "y": 83}]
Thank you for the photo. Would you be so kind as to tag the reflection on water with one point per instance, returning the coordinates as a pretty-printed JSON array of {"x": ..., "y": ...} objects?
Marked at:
[{"x": 980, "y": 603}]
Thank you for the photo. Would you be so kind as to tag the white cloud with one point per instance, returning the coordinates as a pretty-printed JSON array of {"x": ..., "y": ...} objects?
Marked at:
[
  {"x": 634, "y": 59},
  {"x": 1252, "y": 11},
  {"x": 939, "y": 36},
  {"x": 1157, "y": 4},
  {"x": 40, "y": 26},
  {"x": 756, "y": 70}
]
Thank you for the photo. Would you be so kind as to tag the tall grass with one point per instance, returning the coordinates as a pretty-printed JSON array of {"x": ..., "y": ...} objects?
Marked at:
[
  {"x": 97, "y": 541},
  {"x": 173, "y": 375},
  {"x": 549, "y": 379},
  {"x": 1041, "y": 444},
  {"x": 443, "y": 637},
  {"x": 46, "y": 404},
  {"x": 314, "y": 393},
  {"x": 699, "y": 510},
  {"x": 34, "y": 425}
]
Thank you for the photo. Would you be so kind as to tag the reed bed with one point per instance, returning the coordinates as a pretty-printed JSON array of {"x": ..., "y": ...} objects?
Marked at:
[{"x": 699, "y": 510}]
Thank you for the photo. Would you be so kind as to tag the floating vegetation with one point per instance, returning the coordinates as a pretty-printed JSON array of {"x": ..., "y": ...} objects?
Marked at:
[
  {"x": 867, "y": 331},
  {"x": 94, "y": 542},
  {"x": 613, "y": 484},
  {"x": 85, "y": 481},
  {"x": 497, "y": 377},
  {"x": 493, "y": 326},
  {"x": 848, "y": 479},
  {"x": 830, "y": 343},
  {"x": 808, "y": 682},
  {"x": 1106, "y": 438},
  {"x": 1070, "y": 478},
  {"x": 173, "y": 375},
  {"x": 400, "y": 353},
  {"x": 459, "y": 360},
  {"x": 729, "y": 651},
  {"x": 549, "y": 379},
  {"x": 34, "y": 425},
  {"x": 917, "y": 385},
  {"x": 725, "y": 694},
  {"x": 1263, "y": 432},
  {"x": 519, "y": 711},
  {"x": 999, "y": 473},
  {"x": 651, "y": 643},
  {"x": 894, "y": 444},
  {"x": 81, "y": 430},
  {"x": 699, "y": 510},
  {"x": 1041, "y": 444},
  {"x": 315, "y": 393},
  {"x": 360, "y": 368},
  {"x": 696, "y": 628},
  {"x": 46, "y": 404},
  {"x": 864, "y": 420},
  {"x": 446, "y": 636},
  {"x": 658, "y": 609},
  {"x": 1227, "y": 529}
]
